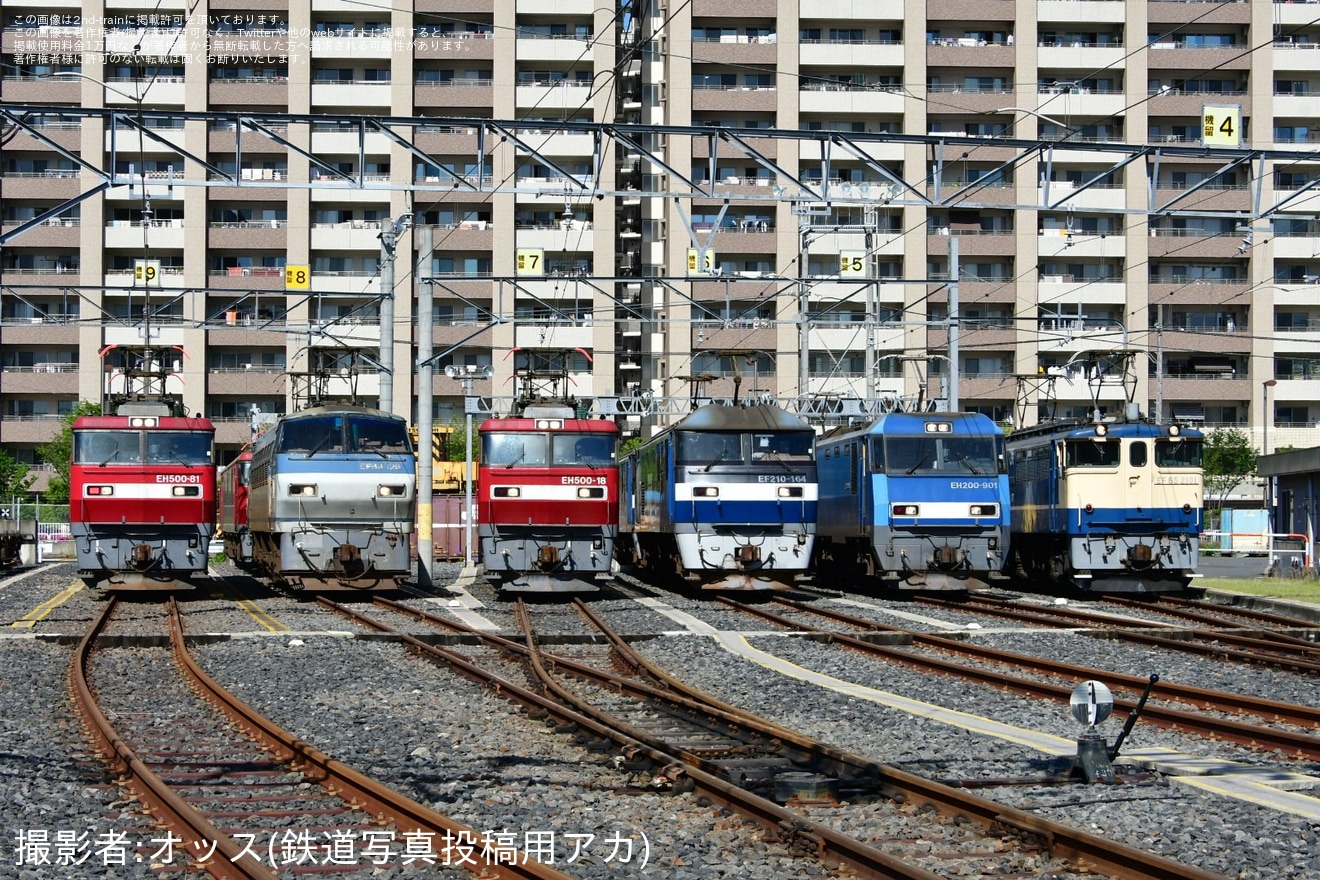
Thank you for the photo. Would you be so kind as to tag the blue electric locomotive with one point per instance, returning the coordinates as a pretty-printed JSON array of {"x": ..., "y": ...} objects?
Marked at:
[
  {"x": 1113, "y": 506},
  {"x": 725, "y": 499},
  {"x": 332, "y": 499},
  {"x": 915, "y": 501}
]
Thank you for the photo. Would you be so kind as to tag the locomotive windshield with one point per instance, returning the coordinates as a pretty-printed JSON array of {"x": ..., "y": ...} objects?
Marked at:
[
  {"x": 785, "y": 446},
  {"x": 940, "y": 455},
  {"x": 127, "y": 447},
  {"x": 513, "y": 448},
  {"x": 704, "y": 449},
  {"x": 1091, "y": 453},
  {"x": 1178, "y": 453},
  {"x": 591, "y": 450},
  {"x": 340, "y": 433}
]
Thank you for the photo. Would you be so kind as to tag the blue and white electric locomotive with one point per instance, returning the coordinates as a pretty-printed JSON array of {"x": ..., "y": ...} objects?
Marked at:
[
  {"x": 1113, "y": 506},
  {"x": 916, "y": 501},
  {"x": 332, "y": 499},
  {"x": 725, "y": 498}
]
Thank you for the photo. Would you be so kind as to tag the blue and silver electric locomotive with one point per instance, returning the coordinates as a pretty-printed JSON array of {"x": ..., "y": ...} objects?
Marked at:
[
  {"x": 725, "y": 498},
  {"x": 1112, "y": 506},
  {"x": 915, "y": 501},
  {"x": 332, "y": 499}
]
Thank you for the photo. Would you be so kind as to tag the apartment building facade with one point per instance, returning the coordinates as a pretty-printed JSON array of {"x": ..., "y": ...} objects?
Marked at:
[{"x": 815, "y": 269}]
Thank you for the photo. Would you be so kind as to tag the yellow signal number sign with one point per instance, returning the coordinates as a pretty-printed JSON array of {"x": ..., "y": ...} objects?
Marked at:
[
  {"x": 146, "y": 273},
  {"x": 1221, "y": 125},
  {"x": 297, "y": 277}
]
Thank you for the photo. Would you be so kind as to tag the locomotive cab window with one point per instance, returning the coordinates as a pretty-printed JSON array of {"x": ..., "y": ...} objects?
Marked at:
[
  {"x": 700, "y": 449},
  {"x": 1091, "y": 453},
  {"x": 973, "y": 456},
  {"x": 1178, "y": 453},
  {"x": 791, "y": 446},
  {"x": 592, "y": 450},
  {"x": 313, "y": 435},
  {"x": 186, "y": 448},
  {"x": 1138, "y": 454},
  {"x": 106, "y": 448},
  {"x": 510, "y": 450},
  {"x": 378, "y": 435}
]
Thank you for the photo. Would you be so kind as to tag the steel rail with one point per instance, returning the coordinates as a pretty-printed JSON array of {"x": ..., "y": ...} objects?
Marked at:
[
  {"x": 1205, "y": 698},
  {"x": 1295, "y": 745},
  {"x": 194, "y": 829},
  {"x": 1060, "y": 840},
  {"x": 364, "y": 793},
  {"x": 798, "y": 831}
]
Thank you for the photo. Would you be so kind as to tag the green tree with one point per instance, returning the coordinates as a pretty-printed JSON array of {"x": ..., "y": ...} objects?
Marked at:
[
  {"x": 59, "y": 451},
  {"x": 15, "y": 478},
  {"x": 1229, "y": 460}
]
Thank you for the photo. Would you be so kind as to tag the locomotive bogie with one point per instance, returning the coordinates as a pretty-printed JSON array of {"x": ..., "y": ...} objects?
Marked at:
[{"x": 103, "y": 549}]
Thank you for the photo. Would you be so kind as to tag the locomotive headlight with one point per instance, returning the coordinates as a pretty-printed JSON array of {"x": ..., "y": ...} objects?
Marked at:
[
  {"x": 386, "y": 491},
  {"x": 507, "y": 492},
  {"x": 904, "y": 509},
  {"x": 590, "y": 492},
  {"x": 1101, "y": 430},
  {"x": 984, "y": 510},
  {"x": 187, "y": 491},
  {"x": 549, "y": 424},
  {"x": 706, "y": 492},
  {"x": 1174, "y": 430},
  {"x": 142, "y": 422},
  {"x": 302, "y": 488},
  {"x": 101, "y": 490},
  {"x": 790, "y": 491}
]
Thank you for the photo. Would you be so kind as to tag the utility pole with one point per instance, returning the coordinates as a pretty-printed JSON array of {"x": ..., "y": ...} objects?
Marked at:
[
  {"x": 425, "y": 413},
  {"x": 467, "y": 374},
  {"x": 954, "y": 271},
  {"x": 390, "y": 230}
]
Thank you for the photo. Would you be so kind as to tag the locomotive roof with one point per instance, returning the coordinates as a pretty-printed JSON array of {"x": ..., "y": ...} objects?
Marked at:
[
  {"x": 571, "y": 423},
  {"x": 900, "y": 422},
  {"x": 336, "y": 409},
  {"x": 1083, "y": 430},
  {"x": 721, "y": 417},
  {"x": 165, "y": 423}
]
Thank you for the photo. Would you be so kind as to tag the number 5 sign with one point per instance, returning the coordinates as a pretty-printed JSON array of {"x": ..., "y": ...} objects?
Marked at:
[{"x": 1221, "y": 125}]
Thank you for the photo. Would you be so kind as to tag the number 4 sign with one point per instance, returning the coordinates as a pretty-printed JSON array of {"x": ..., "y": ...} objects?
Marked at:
[{"x": 1221, "y": 125}]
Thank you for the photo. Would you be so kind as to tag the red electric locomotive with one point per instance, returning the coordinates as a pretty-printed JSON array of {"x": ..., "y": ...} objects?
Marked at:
[
  {"x": 547, "y": 493},
  {"x": 233, "y": 519},
  {"x": 142, "y": 503}
]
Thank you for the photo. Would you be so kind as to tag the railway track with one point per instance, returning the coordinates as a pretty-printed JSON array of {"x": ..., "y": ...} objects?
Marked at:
[
  {"x": 1293, "y": 743},
  {"x": 243, "y": 798},
  {"x": 658, "y": 732},
  {"x": 1253, "y": 646}
]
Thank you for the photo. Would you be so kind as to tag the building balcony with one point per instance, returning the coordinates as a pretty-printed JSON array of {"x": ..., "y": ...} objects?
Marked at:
[
  {"x": 60, "y": 379},
  {"x": 565, "y": 95},
  {"x": 358, "y": 235},
  {"x": 1207, "y": 198},
  {"x": 972, "y": 244},
  {"x": 1296, "y": 56},
  {"x": 355, "y": 94},
  {"x": 850, "y": 56},
  {"x": 1081, "y": 244},
  {"x": 456, "y": 93},
  {"x": 742, "y": 99},
  {"x": 469, "y": 47},
  {"x": 737, "y": 50},
  {"x": 41, "y": 185},
  {"x": 965, "y": 53},
  {"x": 734, "y": 9},
  {"x": 40, "y": 90},
  {"x": 566, "y": 49},
  {"x": 829, "y": 98},
  {"x": 247, "y": 278},
  {"x": 358, "y": 45},
  {"x": 1173, "y": 56},
  {"x": 258, "y": 91},
  {"x": 1212, "y": 387},
  {"x": 249, "y": 236},
  {"x": 56, "y": 233},
  {"x": 1072, "y": 12},
  {"x": 38, "y": 333},
  {"x": 30, "y": 430},
  {"x": 575, "y": 237},
  {"x": 848, "y": 10},
  {"x": 1190, "y": 244},
  {"x": 250, "y": 43},
  {"x": 250, "y": 382}
]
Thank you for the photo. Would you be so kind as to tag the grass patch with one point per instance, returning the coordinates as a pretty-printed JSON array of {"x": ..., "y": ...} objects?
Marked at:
[{"x": 1293, "y": 589}]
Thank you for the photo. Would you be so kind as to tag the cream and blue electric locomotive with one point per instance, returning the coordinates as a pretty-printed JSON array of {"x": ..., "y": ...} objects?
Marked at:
[
  {"x": 332, "y": 499},
  {"x": 725, "y": 499},
  {"x": 1111, "y": 506},
  {"x": 914, "y": 501}
]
